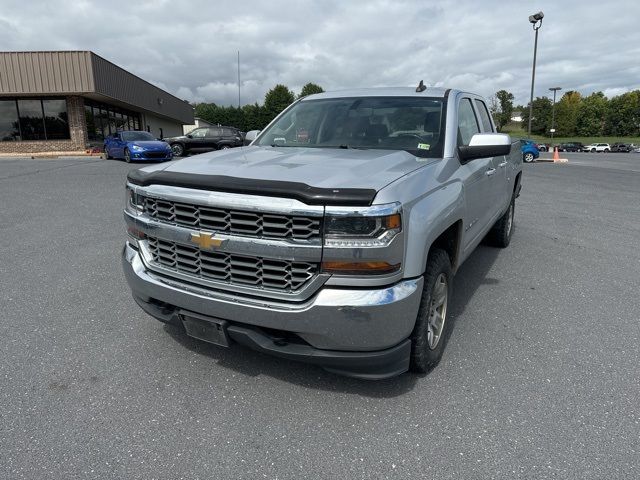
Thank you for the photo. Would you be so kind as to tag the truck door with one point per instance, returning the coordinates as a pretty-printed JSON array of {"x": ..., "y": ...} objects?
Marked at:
[
  {"x": 501, "y": 193},
  {"x": 477, "y": 179}
]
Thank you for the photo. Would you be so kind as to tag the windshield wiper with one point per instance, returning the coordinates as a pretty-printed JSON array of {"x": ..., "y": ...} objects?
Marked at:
[{"x": 352, "y": 147}]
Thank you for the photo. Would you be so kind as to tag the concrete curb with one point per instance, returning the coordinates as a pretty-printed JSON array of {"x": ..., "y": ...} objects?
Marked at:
[{"x": 45, "y": 155}]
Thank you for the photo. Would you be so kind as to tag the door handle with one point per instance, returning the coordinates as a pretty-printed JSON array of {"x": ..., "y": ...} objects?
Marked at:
[
  {"x": 490, "y": 172},
  {"x": 503, "y": 164}
]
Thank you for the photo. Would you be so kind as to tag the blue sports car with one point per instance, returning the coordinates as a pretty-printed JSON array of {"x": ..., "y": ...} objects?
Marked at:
[
  {"x": 135, "y": 145},
  {"x": 529, "y": 151}
]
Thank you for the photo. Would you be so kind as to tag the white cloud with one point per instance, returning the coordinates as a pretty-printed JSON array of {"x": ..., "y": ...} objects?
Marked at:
[{"x": 191, "y": 48}]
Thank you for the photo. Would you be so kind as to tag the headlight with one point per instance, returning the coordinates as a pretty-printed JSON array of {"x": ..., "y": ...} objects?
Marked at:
[
  {"x": 361, "y": 231},
  {"x": 137, "y": 148},
  {"x": 134, "y": 202},
  {"x": 359, "y": 241}
]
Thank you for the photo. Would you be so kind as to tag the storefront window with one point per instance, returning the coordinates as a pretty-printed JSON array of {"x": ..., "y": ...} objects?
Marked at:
[
  {"x": 31, "y": 119},
  {"x": 55, "y": 119},
  {"x": 108, "y": 119},
  {"x": 9, "y": 125}
]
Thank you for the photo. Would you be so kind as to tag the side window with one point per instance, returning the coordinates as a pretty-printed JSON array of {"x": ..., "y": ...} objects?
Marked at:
[
  {"x": 484, "y": 116},
  {"x": 467, "y": 122},
  {"x": 198, "y": 132},
  {"x": 214, "y": 132}
]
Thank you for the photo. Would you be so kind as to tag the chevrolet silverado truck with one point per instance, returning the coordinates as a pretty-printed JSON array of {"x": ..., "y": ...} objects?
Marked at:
[{"x": 334, "y": 236}]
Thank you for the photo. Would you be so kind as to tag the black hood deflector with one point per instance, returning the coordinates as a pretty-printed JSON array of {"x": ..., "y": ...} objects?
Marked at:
[{"x": 270, "y": 188}]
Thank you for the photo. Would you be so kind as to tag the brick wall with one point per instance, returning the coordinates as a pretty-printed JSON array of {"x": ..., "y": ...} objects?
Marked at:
[{"x": 77, "y": 129}]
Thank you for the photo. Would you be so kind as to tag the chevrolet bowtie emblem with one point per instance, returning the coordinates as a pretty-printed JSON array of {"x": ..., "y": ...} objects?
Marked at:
[{"x": 206, "y": 240}]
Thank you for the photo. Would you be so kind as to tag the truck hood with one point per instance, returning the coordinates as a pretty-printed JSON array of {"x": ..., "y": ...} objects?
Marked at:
[{"x": 317, "y": 167}]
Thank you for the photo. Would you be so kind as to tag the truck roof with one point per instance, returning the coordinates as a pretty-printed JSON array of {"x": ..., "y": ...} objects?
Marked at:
[{"x": 381, "y": 92}]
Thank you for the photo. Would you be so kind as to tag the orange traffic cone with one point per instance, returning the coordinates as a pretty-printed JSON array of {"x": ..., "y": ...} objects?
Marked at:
[{"x": 556, "y": 156}]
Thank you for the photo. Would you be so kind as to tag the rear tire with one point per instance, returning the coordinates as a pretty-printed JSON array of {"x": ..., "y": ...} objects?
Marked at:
[
  {"x": 431, "y": 331},
  {"x": 501, "y": 233},
  {"x": 528, "y": 157},
  {"x": 127, "y": 155},
  {"x": 106, "y": 154}
]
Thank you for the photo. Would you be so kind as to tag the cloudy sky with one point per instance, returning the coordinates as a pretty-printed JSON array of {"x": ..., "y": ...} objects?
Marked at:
[{"x": 190, "y": 48}]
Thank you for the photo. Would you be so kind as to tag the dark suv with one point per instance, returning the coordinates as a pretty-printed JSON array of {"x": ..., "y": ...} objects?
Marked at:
[
  {"x": 571, "y": 147},
  {"x": 205, "y": 139},
  {"x": 621, "y": 147}
]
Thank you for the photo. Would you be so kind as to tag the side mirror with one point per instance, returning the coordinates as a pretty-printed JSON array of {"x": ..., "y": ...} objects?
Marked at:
[
  {"x": 189, "y": 135},
  {"x": 251, "y": 136},
  {"x": 483, "y": 145}
]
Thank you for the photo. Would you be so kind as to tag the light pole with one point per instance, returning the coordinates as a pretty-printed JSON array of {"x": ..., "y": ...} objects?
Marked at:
[
  {"x": 536, "y": 21},
  {"x": 553, "y": 111}
]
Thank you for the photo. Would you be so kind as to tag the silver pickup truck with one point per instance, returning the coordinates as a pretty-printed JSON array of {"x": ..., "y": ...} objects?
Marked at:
[{"x": 334, "y": 237}]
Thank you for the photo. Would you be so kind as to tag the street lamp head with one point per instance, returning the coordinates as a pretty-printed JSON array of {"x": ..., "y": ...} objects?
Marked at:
[{"x": 536, "y": 17}]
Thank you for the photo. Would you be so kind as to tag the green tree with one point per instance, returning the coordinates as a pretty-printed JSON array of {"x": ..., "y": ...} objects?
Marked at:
[
  {"x": 623, "y": 115},
  {"x": 541, "y": 117},
  {"x": 310, "y": 89},
  {"x": 276, "y": 100},
  {"x": 567, "y": 114},
  {"x": 591, "y": 115},
  {"x": 502, "y": 108}
]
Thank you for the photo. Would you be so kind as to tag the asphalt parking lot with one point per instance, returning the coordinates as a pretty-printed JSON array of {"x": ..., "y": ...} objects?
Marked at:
[{"x": 540, "y": 378}]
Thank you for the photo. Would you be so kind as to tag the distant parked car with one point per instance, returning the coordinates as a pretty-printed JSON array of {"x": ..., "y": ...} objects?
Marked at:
[
  {"x": 136, "y": 145},
  {"x": 205, "y": 139},
  {"x": 571, "y": 147},
  {"x": 529, "y": 151},
  {"x": 597, "y": 147},
  {"x": 621, "y": 147},
  {"x": 543, "y": 147}
]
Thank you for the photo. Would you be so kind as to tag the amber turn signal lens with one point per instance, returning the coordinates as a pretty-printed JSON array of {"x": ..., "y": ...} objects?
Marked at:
[
  {"x": 135, "y": 233},
  {"x": 393, "y": 221},
  {"x": 358, "y": 268}
]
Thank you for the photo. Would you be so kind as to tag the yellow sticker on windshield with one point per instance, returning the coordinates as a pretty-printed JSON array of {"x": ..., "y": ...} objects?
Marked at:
[{"x": 424, "y": 146}]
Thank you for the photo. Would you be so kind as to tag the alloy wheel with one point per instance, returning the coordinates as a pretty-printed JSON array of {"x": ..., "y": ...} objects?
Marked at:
[{"x": 437, "y": 311}]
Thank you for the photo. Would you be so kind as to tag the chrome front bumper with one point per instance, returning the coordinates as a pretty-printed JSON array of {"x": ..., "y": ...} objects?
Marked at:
[{"x": 336, "y": 319}]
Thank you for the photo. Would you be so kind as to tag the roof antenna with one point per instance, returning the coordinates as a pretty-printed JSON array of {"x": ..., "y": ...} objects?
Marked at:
[{"x": 421, "y": 87}]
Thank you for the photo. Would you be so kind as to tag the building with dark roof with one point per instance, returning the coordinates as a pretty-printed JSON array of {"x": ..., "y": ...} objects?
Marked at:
[{"x": 69, "y": 101}]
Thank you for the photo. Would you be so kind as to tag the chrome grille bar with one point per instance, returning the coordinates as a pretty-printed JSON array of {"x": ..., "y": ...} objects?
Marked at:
[
  {"x": 257, "y": 272},
  {"x": 233, "y": 221}
]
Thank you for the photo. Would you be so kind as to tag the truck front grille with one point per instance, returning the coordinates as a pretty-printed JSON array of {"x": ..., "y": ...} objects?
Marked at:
[
  {"x": 233, "y": 221},
  {"x": 256, "y": 272}
]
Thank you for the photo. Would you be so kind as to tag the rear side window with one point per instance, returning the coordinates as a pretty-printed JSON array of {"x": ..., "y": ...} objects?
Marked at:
[
  {"x": 467, "y": 122},
  {"x": 484, "y": 116}
]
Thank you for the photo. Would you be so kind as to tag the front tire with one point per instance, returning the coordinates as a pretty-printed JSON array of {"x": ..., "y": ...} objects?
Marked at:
[
  {"x": 431, "y": 330},
  {"x": 177, "y": 149},
  {"x": 528, "y": 157},
  {"x": 127, "y": 155},
  {"x": 593, "y": 150}
]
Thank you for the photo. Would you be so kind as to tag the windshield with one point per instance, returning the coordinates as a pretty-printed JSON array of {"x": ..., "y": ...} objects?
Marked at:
[
  {"x": 413, "y": 124},
  {"x": 137, "y": 136}
]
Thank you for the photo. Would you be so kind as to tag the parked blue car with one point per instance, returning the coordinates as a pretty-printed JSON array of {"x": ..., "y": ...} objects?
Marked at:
[
  {"x": 529, "y": 151},
  {"x": 135, "y": 145}
]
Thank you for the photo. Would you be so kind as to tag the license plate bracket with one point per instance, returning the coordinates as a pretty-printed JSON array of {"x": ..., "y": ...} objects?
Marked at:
[{"x": 211, "y": 330}]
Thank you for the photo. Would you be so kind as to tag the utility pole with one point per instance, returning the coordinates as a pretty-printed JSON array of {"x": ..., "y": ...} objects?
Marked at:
[
  {"x": 238, "y": 78},
  {"x": 553, "y": 111},
  {"x": 536, "y": 21}
]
